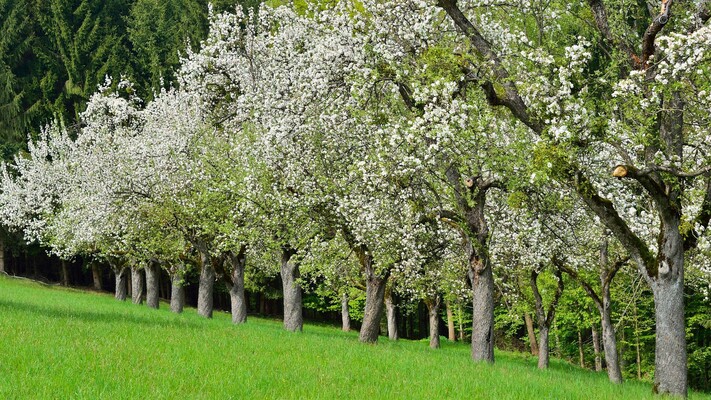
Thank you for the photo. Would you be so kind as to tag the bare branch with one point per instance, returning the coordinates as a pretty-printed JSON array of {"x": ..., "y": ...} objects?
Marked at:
[{"x": 680, "y": 174}]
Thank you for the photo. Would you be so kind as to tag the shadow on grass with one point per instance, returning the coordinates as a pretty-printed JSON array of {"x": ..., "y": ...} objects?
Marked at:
[{"x": 93, "y": 317}]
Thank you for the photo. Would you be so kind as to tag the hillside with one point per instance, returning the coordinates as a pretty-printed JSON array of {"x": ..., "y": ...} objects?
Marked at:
[{"x": 59, "y": 343}]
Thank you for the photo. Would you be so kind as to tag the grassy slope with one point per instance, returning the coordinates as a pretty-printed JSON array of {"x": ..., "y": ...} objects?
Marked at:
[{"x": 58, "y": 343}]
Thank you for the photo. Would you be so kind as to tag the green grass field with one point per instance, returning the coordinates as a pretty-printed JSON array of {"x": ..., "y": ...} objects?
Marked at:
[{"x": 61, "y": 343}]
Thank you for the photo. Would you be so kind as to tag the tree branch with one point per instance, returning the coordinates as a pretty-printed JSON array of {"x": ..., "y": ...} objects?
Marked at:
[
  {"x": 654, "y": 189},
  {"x": 588, "y": 289},
  {"x": 650, "y": 35},
  {"x": 610, "y": 273},
  {"x": 600, "y": 14},
  {"x": 558, "y": 293},
  {"x": 510, "y": 97},
  {"x": 605, "y": 210},
  {"x": 680, "y": 174}
]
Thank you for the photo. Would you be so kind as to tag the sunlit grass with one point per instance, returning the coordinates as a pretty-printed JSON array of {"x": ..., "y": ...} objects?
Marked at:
[{"x": 58, "y": 343}]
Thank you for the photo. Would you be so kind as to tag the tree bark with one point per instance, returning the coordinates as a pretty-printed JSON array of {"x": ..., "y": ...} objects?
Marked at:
[
  {"x": 596, "y": 348},
  {"x": 374, "y": 299},
  {"x": 609, "y": 340},
  {"x": 136, "y": 286},
  {"x": 177, "y": 290},
  {"x": 670, "y": 375},
  {"x": 293, "y": 313},
  {"x": 482, "y": 279},
  {"x": 236, "y": 286},
  {"x": 96, "y": 274},
  {"x": 433, "y": 311},
  {"x": 206, "y": 283},
  {"x": 543, "y": 349},
  {"x": 531, "y": 334},
  {"x": 121, "y": 283},
  {"x": 152, "y": 285},
  {"x": 64, "y": 279},
  {"x": 390, "y": 315},
  {"x": 345, "y": 314},
  {"x": 581, "y": 352},
  {"x": 451, "y": 334}
]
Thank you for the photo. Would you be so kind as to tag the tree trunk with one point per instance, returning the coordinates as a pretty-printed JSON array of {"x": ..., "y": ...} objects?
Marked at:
[
  {"x": 433, "y": 311},
  {"x": 293, "y": 314},
  {"x": 482, "y": 279},
  {"x": 581, "y": 352},
  {"x": 670, "y": 373},
  {"x": 543, "y": 350},
  {"x": 177, "y": 290},
  {"x": 206, "y": 284},
  {"x": 451, "y": 334},
  {"x": 136, "y": 286},
  {"x": 531, "y": 333},
  {"x": 374, "y": 299},
  {"x": 609, "y": 340},
  {"x": 596, "y": 347},
  {"x": 64, "y": 279},
  {"x": 345, "y": 314},
  {"x": 390, "y": 315},
  {"x": 96, "y": 274},
  {"x": 121, "y": 283},
  {"x": 236, "y": 286},
  {"x": 152, "y": 285},
  {"x": 545, "y": 319}
]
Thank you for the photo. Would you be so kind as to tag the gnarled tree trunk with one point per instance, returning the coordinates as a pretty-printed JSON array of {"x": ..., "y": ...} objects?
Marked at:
[
  {"x": 152, "y": 285},
  {"x": 136, "y": 286},
  {"x": 433, "y": 312},
  {"x": 293, "y": 313},
  {"x": 390, "y": 314},
  {"x": 121, "y": 283}
]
